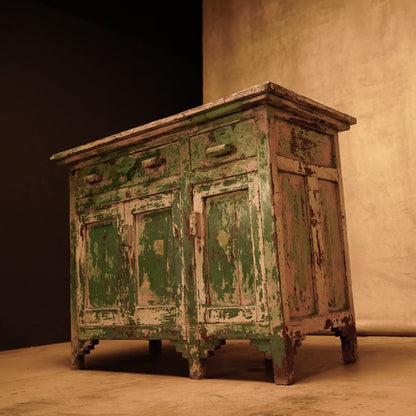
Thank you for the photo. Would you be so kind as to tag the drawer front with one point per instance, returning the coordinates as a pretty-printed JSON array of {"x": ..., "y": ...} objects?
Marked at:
[
  {"x": 150, "y": 165},
  {"x": 304, "y": 144},
  {"x": 223, "y": 144}
]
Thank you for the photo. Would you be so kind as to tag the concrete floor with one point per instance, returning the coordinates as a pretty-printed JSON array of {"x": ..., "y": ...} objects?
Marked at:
[{"x": 122, "y": 379}]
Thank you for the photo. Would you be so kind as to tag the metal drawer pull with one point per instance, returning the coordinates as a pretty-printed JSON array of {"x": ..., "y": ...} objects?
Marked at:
[
  {"x": 94, "y": 178},
  {"x": 153, "y": 162},
  {"x": 220, "y": 150}
]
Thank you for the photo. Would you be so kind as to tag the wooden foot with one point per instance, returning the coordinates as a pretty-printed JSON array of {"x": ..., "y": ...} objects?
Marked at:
[
  {"x": 77, "y": 356},
  {"x": 348, "y": 336},
  {"x": 282, "y": 354},
  {"x": 155, "y": 347},
  {"x": 79, "y": 349},
  {"x": 78, "y": 361},
  {"x": 197, "y": 368},
  {"x": 349, "y": 344}
]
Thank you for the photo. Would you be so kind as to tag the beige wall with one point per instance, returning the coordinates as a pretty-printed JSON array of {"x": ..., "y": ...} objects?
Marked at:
[{"x": 359, "y": 57}]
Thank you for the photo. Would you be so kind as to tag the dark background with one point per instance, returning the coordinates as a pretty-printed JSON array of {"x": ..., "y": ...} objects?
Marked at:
[{"x": 72, "y": 72}]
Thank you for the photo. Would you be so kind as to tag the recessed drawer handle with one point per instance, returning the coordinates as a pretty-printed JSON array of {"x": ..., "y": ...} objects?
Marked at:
[
  {"x": 153, "y": 162},
  {"x": 94, "y": 178},
  {"x": 220, "y": 150}
]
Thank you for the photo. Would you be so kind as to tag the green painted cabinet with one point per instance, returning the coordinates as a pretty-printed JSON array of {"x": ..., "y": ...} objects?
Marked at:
[{"x": 223, "y": 222}]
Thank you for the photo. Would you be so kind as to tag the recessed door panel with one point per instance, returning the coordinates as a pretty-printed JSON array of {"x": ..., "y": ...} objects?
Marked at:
[
  {"x": 156, "y": 258},
  {"x": 102, "y": 271},
  {"x": 103, "y": 265},
  {"x": 156, "y": 285},
  {"x": 335, "y": 269},
  {"x": 296, "y": 234},
  {"x": 228, "y": 251}
]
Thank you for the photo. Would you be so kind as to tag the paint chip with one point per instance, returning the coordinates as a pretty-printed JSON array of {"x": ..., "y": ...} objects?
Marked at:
[
  {"x": 159, "y": 247},
  {"x": 223, "y": 238}
]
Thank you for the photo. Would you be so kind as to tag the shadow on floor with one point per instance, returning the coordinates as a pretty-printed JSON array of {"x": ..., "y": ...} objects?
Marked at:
[
  {"x": 236, "y": 360},
  {"x": 135, "y": 358}
]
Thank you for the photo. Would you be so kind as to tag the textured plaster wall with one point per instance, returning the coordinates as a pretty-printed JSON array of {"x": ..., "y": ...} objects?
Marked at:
[{"x": 358, "y": 57}]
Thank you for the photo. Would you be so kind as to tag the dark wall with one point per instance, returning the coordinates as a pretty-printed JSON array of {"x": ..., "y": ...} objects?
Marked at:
[{"x": 68, "y": 77}]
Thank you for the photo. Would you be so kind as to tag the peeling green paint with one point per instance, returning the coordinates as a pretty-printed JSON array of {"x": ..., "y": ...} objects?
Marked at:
[
  {"x": 157, "y": 285},
  {"x": 130, "y": 169},
  {"x": 104, "y": 263},
  {"x": 271, "y": 308},
  {"x": 237, "y": 138},
  {"x": 264, "y": 345},
  {"x": 229, "y": 261},
  {"x": 230, "y": 314}
]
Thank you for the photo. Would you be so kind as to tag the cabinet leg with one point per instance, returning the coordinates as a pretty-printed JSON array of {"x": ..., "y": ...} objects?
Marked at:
[
  {"x": 155, "y": 347},
  {"x": 79, "y": 349},
  {"x": 282, "y": 355},
  {"x": 348, "y": 336},
  {"x": 197, "y": 368},
  {"x": 77, "y": 356},
  {"x": 78, "y": 361}
]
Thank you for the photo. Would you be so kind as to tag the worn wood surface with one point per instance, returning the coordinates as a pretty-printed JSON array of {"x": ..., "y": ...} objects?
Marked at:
[{"x": 225, "y": 221}]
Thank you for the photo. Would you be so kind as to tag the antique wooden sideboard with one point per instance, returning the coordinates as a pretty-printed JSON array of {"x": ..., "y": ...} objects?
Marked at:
[{"x": 222, "y": 222}]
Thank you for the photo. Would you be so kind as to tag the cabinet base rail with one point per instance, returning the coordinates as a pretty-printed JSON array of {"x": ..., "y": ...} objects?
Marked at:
[{"x": 279, "y": 352}]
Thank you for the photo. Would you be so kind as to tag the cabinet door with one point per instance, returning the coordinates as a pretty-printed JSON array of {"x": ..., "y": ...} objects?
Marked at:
[
  {"x": 297, "y": 254},
  {"x": 103, "y": 273},
  {"x": 228, "y": 251},
  {"x": 156, "y": 261},
  {"x": 312, "y": 253}
]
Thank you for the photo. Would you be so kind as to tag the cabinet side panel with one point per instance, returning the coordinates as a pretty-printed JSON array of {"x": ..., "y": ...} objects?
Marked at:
[
  {"x": 103, "y": 264},
  {"x": 297, "y": 245},
  {"x": 335, "y": 270}
]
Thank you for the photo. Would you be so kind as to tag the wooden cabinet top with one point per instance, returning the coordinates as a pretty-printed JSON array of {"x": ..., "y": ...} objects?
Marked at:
[{"x": 267, "y": 93}]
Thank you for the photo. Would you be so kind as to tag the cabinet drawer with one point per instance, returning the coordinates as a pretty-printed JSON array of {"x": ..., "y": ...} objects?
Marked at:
[
  {"x": 304, "y": 144},
  {"x": 150, "y": 165},
  {"x": 223, "y": 144}
]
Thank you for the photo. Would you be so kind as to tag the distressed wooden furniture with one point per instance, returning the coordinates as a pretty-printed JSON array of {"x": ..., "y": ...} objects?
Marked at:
[{"x": 225, "y": 221}]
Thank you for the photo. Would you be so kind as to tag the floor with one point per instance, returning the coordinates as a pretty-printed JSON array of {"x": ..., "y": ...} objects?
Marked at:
[{"x": 122, "y": 379}]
